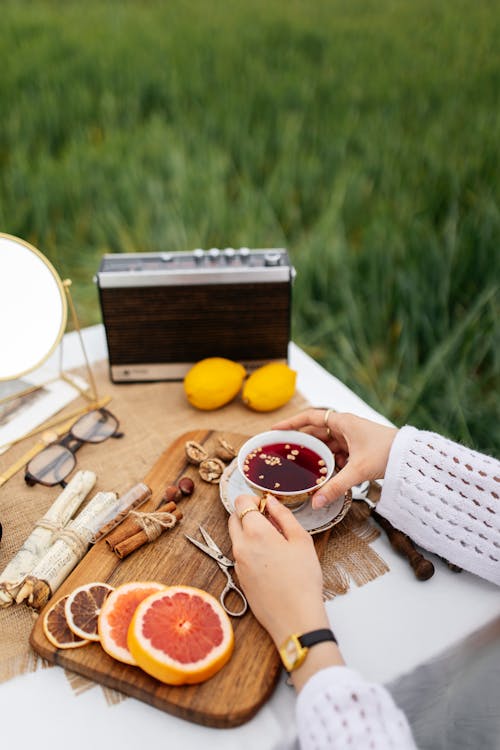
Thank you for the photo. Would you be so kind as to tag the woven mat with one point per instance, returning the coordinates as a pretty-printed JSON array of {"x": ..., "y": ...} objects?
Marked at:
[{"x": 152, "y": 415}]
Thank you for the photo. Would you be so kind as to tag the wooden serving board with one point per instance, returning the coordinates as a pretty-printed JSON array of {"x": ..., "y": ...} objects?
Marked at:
[{"x": 235, "y": 693}]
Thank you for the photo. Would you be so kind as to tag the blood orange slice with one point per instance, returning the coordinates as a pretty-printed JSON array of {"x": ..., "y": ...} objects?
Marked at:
[
  {"x": 116, "y": 614},
  {"x": 181, "y": 635},
  {"x": 56, "y": 628},
  {"x": 83, "y": 606}
]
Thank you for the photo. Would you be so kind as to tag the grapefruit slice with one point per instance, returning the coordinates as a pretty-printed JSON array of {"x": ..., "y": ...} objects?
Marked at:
[
  {"x": 82, "y": 608},
  {"x": 116, "y": 614},
  {"x": 56, "y": 628},
  {"x": 181, "y": 635}
]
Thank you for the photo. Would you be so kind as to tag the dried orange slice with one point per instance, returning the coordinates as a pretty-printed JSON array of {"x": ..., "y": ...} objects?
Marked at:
[
  {"x": 56, "y": 628},
  {"x": 116, "y": 614},
  {"x": 82, "y": 608},
  {"x": 181, "y": 635}
]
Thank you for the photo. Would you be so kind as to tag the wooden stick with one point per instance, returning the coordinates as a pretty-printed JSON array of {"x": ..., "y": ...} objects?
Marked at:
[
  {"x": 133, "y": 498},
  {"x": 129, "y": 545},
  {"x": 130, "y": 526},
  {"x": 402, "y": 543}
]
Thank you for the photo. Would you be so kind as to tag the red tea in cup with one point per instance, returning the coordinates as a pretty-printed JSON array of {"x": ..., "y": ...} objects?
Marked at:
[{"x": 284, "y": 467}]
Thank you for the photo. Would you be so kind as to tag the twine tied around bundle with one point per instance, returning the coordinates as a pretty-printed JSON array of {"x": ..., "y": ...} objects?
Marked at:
[
  {"x": 46, "y": 523},
  {"x": 153, "y": 524},
  {"x": 76, "y": 541}
]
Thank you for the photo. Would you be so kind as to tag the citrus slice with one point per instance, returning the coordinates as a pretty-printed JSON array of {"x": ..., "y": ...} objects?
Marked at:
[
  {"x": 56, "y": 628},
  {"x": 82, "y": 608},
  {"x": 116, "y": 614},
  {"x": 181, "y": 635}
]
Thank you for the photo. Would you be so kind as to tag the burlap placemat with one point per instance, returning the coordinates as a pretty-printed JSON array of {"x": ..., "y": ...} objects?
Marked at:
[{"x": 151, "y": 415}]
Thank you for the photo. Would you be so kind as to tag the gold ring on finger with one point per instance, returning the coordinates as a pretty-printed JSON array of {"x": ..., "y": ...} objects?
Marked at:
[
  {"x": 325, "y": 422},
  {"x": 248, "y": 510}
]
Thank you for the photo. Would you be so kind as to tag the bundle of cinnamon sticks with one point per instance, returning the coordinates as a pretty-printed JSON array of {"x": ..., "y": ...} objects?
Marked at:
[{"x": 141, "y": 528}]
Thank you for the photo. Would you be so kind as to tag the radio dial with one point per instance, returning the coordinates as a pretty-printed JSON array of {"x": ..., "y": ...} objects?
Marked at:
[{"x": 272, "y": 259}]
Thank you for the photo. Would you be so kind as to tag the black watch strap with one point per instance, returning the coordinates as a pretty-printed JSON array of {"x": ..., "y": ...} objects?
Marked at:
[{"x": 316, "y": 636}]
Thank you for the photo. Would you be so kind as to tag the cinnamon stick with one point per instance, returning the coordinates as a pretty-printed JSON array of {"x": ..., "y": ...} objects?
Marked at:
[
  {"x": 131, "y": 526},
  {"x": 133, "y": 498},
  {"x": 144, "y": 536}
]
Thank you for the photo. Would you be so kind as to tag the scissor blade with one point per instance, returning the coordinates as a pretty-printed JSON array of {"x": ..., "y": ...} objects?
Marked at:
[{"x": 217, "y": 556}]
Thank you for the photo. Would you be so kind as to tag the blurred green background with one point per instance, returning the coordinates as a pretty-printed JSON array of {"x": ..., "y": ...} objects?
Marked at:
[{"x": 364, "y": 136}]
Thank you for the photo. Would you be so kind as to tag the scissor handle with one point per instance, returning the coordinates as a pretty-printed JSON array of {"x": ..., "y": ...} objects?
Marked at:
[{"x": 231, "y": 586}]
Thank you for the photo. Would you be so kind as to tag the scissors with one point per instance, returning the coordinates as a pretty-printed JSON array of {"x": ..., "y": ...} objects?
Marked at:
[{"x": 224, "y": 563}]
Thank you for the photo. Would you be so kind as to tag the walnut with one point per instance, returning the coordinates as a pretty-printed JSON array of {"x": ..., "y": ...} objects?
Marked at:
[
  {"x": 225, "y": 450},
  {"x": 195, "y": 452},
  {"x": 211, "y": 470}
]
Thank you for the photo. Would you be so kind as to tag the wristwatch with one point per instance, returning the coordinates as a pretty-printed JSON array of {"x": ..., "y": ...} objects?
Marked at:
[{"x": 294, "y": 650}]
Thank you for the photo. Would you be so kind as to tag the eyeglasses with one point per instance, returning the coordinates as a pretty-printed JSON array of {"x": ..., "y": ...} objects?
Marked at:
[{"x": 52, "y": 465}]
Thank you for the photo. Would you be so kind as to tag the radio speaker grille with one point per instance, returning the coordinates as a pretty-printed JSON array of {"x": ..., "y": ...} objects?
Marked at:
[{"x": 168, "y": 324}]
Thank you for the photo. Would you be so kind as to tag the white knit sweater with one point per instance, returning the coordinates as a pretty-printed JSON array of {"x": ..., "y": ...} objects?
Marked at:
[{"x": 447, "y": 499}]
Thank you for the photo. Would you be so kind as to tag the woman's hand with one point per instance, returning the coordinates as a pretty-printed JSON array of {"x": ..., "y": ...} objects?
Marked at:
[
  {"x": 361, "y": 448},
  {"x": 278, "y": 569}
]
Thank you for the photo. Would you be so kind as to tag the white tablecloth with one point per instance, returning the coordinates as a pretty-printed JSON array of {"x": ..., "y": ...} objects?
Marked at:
[{"x": 387, "y": 629}]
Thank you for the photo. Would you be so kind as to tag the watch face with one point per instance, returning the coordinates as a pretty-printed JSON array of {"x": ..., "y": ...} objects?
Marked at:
[{"x": 292, "y": 653}]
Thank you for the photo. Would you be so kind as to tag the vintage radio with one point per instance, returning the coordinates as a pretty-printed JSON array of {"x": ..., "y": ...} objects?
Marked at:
[{"x": 164, "y": 311}]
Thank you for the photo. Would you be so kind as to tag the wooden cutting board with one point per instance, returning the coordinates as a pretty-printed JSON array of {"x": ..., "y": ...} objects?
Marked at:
[{"x": 235, "y": 693}]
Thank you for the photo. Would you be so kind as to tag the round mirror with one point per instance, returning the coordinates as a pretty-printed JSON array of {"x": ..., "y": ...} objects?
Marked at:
[{"x": 33, "y": 308}]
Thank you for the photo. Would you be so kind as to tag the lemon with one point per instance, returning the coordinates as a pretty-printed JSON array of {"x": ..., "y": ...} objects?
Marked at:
[
  {"x": 269, "y": 387},
  {"x": 213, "y": 382}
]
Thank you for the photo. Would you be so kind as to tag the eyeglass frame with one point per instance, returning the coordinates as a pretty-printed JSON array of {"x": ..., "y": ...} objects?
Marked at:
[{"x": 72, "y": 444}]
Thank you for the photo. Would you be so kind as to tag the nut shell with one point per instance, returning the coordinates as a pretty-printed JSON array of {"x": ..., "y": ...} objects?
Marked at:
[
  {"x": 211, "y": 470},
  {"x": 195, "y": 452},
  {"x": 225, "y": 450}
]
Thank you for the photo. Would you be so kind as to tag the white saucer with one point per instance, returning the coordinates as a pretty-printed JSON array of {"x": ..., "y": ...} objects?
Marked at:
[{"x": 233, "y": 484}]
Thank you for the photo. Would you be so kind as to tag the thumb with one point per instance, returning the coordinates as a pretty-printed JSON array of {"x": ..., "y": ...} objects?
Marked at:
[
  {"x": 337, "y": 486},
  {"x": 282, "y": 517}
]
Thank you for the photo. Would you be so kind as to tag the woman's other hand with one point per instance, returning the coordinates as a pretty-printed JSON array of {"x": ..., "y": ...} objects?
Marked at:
[{"x": 361, "y": 448}]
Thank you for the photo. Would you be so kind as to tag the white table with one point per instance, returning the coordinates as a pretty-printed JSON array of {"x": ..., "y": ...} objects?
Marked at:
[{"x": 387, "y": 629}]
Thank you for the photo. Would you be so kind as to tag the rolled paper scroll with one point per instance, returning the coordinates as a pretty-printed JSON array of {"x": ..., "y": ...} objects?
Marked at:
[
  {"x": 41, "y": 538},
  {"x": 67, "y": 550}
]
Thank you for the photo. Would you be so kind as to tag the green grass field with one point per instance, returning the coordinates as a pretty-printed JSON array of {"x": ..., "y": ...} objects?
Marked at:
[{"x": 362, "y": 135}]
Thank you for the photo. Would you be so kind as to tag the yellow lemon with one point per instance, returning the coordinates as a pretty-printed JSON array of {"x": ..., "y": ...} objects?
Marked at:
[
  {"x": 213, "y": 382},
  {"x": 269, "y": 387}
]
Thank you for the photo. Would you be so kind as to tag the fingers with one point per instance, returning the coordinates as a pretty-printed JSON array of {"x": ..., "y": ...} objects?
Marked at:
[
  {"x": 338, "y": 485},
  {"x": 314, "y": 417},
  {"x": 283, "y": 518},
  {"x": 245, "y": 520},
  {"x": 313, "y": 422}
]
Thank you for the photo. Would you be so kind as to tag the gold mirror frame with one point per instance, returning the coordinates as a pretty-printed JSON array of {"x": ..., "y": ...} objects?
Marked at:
[
  {"x": 54, "y": 343},
  {"x": 66, "y": 301}
]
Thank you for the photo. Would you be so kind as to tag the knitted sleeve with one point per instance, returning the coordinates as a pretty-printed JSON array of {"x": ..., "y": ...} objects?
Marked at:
[
  {"x": 337, "y": 709},
  {"x": 446, "y": 498}
]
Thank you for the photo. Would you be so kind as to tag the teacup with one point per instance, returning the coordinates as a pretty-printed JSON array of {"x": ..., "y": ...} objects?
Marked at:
[{"x": 288, "y": 464}]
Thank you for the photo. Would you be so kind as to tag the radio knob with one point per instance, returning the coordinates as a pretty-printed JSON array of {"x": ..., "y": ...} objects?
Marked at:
[
  {"x": 244, "y": 254},
  {"x": 229, "y": 254},
  {"x": 198, "y": 255},
  {"x": 166, "y": 257},
  {"x": 214, "y": 253},
  {"x": 272, "y": 259}
]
